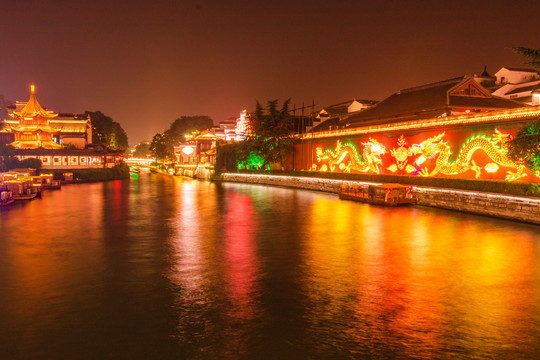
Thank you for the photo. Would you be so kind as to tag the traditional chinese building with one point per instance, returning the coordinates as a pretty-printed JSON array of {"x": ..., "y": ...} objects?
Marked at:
[
  {"x": 38, "y": 133},
  {"x": 454, "y": 128},
  {"x": 31, "y": 127}
]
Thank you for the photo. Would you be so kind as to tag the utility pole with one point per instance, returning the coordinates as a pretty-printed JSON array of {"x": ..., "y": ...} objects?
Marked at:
[{"x": 302, "y": 125}]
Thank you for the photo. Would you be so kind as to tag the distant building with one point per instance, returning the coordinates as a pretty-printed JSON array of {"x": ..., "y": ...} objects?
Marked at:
[
  {"x": 520, "y": 92},
  {"x": 511, "y": 75},
  {"x": 242, "y": 126},
  {"x": 4, "y": 104},
  {"x": 458, "y": 96},
  {"x": 331, "y": 116},
  {"x": 518, "y": 84},
  {"x": 485, "y": 79},
  {"x": 226, "y": 130}
]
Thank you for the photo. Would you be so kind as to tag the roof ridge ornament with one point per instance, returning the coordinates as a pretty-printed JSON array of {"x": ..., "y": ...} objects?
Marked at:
[{"x": 33, "y": 108}]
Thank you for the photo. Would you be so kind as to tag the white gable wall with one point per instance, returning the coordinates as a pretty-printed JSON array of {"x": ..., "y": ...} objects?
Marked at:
[{"x": 505, "y": 76}]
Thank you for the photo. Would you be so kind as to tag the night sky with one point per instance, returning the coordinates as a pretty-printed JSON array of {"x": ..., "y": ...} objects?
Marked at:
[{"x": 145, "y": 63}]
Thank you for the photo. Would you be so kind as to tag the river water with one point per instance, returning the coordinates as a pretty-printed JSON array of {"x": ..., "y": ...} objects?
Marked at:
[{"x": 158, "y": 267}]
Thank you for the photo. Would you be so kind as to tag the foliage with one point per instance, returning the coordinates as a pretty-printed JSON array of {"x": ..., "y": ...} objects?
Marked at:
[
  {"x": 525, "y": 147},
  {"x": 231, "y": 156},
  {"x": 162, "y": 144},
  {"x": 502, "y": 187},
  {"x": 31, "y": 163},
  {"x": 269, "y": 141},
  {"x": 142, "y": 150},
  {"x": 14, "y": 163},
  {"x": 70, "y": 147},
  {"x": 270, "y": 137},
  {"x": 161, "y": 147},
  {"x": 7, "y": 153},
  {"x": 533, "y": 55},
  {"x": 116, "y": 172},
  {"x": 107, "y": 132}
]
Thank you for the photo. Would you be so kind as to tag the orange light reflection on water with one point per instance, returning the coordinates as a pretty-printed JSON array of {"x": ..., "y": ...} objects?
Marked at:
[
  {"x": 405, "y": 266},
  {"x": 240, "y": 269}
]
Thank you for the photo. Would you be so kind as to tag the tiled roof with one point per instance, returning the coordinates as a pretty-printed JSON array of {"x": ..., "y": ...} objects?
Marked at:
[
  {"x": 64, "y": 152},
  {"x": 518, "y": 69},
  {"x": 486, "y": 103},
  {"x": 426, "y": 101},
  {"x": 325, "y": 125},
  {"x": 523, "y": 89},
  {"x": 411, "y": 101},
  {"x": 342, "y": 107}
]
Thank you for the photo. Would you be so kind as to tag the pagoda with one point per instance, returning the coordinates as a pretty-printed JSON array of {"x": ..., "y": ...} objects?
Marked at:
[{"x": 32, "y": 129}]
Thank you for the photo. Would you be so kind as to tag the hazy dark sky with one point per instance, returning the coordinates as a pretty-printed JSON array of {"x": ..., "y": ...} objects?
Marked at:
[{"x": 145, "y": 63}]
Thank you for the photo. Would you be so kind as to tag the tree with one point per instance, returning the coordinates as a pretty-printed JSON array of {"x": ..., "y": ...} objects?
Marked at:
[
  {"x": 119, "y": 138},
  {"x": 271, "y": 137},
  {"x": 162, "y": 144},
  {"x": 525, "y": 147},
  {"x": 160, "y": 147},
  {"x": 186, "y": 125},
  {"x": 107, "y": 132},
  {"x": 7, "y": 153},
  {"x": 142, "y": 150},
  {"x": 31, "y": 163},
  {"x": 8, "y": 160},
  {"x": 533, "y": 55}
]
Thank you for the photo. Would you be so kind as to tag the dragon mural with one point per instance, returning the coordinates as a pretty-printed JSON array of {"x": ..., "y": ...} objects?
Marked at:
[
  {"x": 495, "y": 148},
  {"x": 429, "y": 158},
  {"x": 346, "y": 158}
]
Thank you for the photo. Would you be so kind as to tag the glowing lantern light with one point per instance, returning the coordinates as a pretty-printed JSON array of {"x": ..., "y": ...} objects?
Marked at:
[{"x": 188, "y": 150}]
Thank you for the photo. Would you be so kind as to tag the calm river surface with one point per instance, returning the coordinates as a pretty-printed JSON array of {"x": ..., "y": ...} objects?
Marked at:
[{"x": 157, "y": 267}]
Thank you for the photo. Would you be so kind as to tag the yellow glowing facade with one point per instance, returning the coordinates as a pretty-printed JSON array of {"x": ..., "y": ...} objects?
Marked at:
[
  {"x": 465, "y": 146},
  {"x": 34, "y": 127},
  {"x": 479, "y": 156}
]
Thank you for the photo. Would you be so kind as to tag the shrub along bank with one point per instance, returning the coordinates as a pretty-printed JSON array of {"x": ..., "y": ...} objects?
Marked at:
[
  {"x": 502, "y": 187},
  {"x": 117, "y": 172}
]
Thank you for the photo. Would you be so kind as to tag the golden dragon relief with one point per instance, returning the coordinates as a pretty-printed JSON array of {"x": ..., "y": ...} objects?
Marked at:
[{"x": 429, "y": 158}]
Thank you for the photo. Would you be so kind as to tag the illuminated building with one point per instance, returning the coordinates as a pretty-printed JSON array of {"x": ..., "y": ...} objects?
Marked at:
[
  {"x": 465, "y": 146},
  {"x": 34, "y": 127},
  {"x": 242, "y": 126},
  {"x": 453, "y": 128},
  {"x": 226, "y": 130},
  {"x": 38, "y": 133}
]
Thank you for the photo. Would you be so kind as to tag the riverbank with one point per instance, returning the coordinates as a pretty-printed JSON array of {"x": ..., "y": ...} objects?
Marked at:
[
  {"x": 117, "y": 172},
  {"x": 518, "y": 208}
]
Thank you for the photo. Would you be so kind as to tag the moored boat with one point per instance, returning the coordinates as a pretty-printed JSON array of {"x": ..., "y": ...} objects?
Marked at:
[
  {"x": 25, "y": 196},
  {"x": 384, "y": 194},
  {"x": 6, "y": 197},
  {"x": 22, "y": 189}
]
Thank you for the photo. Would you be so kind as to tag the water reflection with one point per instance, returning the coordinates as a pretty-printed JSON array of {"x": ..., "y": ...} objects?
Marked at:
[{"x": 163, "y": 267}]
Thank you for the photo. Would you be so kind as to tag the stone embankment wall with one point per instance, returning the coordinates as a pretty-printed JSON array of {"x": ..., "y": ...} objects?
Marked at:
[{"x": 524, "y": 209}]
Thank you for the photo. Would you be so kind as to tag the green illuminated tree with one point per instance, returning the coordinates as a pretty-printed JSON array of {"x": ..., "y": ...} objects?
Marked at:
[
  {"x": 271, "y": 138},
  {"x": 526, "y": 146},
  {"x": 533, "y": 55}
]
